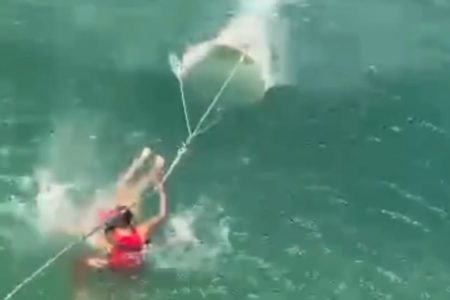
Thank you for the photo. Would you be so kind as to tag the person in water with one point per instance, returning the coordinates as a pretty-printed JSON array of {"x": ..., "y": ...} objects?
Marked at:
[
  {"x": 123, "y": 241},
  {"x": 122, "y": 244}
]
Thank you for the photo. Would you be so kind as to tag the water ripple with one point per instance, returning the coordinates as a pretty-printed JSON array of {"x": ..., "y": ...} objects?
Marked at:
[
  {"x": 405, "y": 219},
  {"x": 416, "y": 198}
]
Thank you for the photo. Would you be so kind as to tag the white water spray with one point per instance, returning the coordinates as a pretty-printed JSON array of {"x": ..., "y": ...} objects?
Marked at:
[{"x": 195, "y": 239}]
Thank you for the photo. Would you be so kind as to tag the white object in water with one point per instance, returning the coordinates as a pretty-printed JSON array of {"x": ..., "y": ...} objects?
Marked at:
[{"x": 258, "y": 36}]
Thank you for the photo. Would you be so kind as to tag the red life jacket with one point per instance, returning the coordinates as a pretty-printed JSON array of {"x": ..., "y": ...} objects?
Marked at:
[{"x": 127, "y": 251}]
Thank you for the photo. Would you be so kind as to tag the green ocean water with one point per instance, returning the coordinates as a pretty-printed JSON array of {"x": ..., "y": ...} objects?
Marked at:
[{"x": 335, "y": 188}]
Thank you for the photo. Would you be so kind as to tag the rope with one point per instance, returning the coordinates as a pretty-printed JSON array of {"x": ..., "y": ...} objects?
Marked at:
[
  {"x": 41, "y": 269},
  {"x": 181, "y": 151},
  {"x": 183, "y": 101},
  {"x": 205, "y": 115},
  {"x": 176, "y": 68},
  {"x": 216, "y": 98}
]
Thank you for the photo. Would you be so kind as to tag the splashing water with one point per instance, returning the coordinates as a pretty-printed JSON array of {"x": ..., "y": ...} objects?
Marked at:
[
  {"x": 195, "y": 239},
  {"x": 54, "y": 208}
]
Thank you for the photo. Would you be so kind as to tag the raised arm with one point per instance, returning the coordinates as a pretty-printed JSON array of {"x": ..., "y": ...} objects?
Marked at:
[{"x": 147, "y": 228}]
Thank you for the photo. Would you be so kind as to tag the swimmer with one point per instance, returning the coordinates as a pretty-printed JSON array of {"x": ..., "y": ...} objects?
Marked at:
[
  {"x": 122, "y": 237},
  {"x": 129, "y": 192},
  {"x": 126, "y": 242},
  {"x": 122, "y": 244}
]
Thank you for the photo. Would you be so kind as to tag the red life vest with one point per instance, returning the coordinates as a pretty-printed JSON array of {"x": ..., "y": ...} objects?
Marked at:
[{"x": 127, "y": 251}]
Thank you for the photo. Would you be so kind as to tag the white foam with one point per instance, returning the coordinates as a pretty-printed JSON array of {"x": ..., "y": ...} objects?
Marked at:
[
  {"x": 50, "y": 211},
  {"x": 57, "y": 213},
  {"x": 195, "y": 239}
]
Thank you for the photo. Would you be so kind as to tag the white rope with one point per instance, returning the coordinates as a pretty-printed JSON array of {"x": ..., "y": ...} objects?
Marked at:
[
  {"x": 177, "y": 68},
  {"x": 216, "y": 98},
  {"x": 181, "y": 151},
  {"x": 185, "y": 112},
  {"x": 203, "y": 118},
  {"x": 40, "y": 270}
]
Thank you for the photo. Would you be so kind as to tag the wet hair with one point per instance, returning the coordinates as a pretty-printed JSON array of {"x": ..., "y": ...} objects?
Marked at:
[{"x": 123, "y": 217}]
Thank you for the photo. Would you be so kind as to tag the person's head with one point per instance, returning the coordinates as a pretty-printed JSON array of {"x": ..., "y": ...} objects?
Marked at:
[{"x": 123, "y": 217}]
